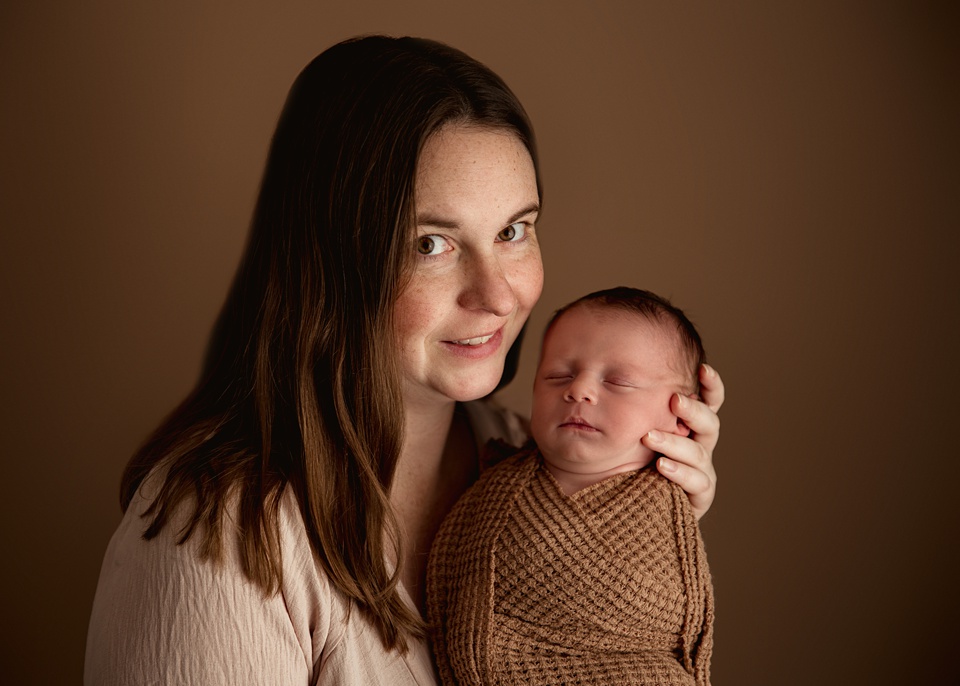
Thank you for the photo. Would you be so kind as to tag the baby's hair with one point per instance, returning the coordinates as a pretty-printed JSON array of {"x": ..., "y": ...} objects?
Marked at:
[{"x": 651, "y": 307}]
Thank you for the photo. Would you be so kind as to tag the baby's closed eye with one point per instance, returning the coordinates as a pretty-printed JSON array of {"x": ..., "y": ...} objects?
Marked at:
[{"x": 619, "y": 382}]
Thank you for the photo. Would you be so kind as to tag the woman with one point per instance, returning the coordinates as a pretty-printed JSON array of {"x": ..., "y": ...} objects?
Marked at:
[{"x": 277, "y": 523}]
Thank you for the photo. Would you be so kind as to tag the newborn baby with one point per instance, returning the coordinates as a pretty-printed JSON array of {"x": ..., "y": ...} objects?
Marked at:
[{"x": 573, "y": 560}]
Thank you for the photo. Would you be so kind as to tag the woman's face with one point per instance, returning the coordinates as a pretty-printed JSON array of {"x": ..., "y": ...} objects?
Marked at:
[{"x": 478, "y": 271}]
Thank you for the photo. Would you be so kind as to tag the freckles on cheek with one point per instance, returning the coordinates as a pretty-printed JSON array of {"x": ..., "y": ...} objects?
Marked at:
[
  {"x": 413, "y": 317},
  {"x": 527, "y": 277},
  {"x": 536, "y": 277}
]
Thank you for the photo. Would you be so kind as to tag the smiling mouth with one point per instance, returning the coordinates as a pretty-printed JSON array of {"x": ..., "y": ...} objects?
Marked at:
[{"x": 479, "y": 340}]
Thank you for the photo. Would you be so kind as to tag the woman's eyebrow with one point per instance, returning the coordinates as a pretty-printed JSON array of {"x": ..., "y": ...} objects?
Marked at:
[
  {"x": 439, "y": 222},
  {"x": 531, "y": 208},
  {"x": 435, "y": 221}
]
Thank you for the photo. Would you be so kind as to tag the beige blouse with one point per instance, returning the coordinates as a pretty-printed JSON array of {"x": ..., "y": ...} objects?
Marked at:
[{"x": 161, "y": 616}]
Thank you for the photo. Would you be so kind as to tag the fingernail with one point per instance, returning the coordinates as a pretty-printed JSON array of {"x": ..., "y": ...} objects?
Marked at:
[
  {"x": 665, "y": 465},
  {"x": 708, "y": 370},
  {"x": 681, "y": 400},
  {"x": 655, "y": 436}
]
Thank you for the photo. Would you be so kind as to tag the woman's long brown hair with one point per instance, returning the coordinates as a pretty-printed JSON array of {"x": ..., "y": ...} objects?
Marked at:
[{"x": 301, "y": 385}]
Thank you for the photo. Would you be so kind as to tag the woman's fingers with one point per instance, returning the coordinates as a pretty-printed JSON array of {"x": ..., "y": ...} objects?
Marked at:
[
  {"x": 711, "y": 387},
  {"x": 700, "y": 487},
  {"x": 687, "y": 464},
  {"x": 688, "y": 461},
  {"x": 700, "y": 418}
]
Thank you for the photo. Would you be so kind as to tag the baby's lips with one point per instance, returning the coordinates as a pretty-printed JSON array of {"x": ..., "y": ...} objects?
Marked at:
[{"x": 578, "y": 421}]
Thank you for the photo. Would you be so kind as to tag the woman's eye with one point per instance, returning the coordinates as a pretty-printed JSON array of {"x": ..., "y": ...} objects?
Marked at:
[
  {"x": 513, "y": 233},
  {"x": 432, "y": 245}
]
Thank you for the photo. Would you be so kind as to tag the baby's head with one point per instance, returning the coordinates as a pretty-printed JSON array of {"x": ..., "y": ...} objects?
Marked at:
[{"x": 609, "y": 366}]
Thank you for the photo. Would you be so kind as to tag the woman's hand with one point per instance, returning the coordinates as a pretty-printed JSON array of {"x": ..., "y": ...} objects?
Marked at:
[{"x": 688, "y": 461}]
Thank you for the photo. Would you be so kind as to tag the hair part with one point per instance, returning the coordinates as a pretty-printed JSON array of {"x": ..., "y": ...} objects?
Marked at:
[
  {"x": 301, "y": 388},
  {"x": 652, "y": 308}
]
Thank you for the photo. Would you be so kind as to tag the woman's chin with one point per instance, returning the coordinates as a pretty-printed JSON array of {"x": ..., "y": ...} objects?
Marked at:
[
  {"x": 474, "y": 393},
  {"x": 473, "y": 389}
]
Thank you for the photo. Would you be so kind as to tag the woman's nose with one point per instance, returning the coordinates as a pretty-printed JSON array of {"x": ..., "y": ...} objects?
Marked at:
[
  {"x": 580, "y": 390},
  {"x": 488, "y": 287}
]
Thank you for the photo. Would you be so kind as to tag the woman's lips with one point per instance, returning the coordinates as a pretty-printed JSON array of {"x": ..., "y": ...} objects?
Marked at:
[
  {"x": 479, "y": 340},
  {"x": 476, "y": 347}
]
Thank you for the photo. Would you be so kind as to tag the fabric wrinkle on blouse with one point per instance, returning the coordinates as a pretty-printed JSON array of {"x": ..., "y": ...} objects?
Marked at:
[{"x": 208, "y": 624}]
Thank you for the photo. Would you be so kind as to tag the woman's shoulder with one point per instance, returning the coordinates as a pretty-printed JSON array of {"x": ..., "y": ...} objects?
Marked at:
[
  {"x": 164, "y": 609},
  {"x": 162, "y": 604}
]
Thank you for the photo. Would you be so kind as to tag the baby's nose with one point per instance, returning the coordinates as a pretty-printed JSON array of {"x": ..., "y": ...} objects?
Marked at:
[{"x": 581, "y": 390}]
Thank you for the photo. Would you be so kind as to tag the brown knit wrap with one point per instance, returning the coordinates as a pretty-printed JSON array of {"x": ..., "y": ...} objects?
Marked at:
[{"x": 609, "y": 586}]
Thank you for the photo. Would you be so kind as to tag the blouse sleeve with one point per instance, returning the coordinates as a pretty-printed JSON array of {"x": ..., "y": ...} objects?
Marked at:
[{"x": 162, "y": 615}]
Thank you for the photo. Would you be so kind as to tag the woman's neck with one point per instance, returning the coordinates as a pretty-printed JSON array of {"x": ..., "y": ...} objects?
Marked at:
[
  {"x": 426, "y": 428},
  {"x": 437, "y": 464}
]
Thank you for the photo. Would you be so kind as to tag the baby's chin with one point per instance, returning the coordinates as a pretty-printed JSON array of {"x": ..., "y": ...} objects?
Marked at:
[
  {"x": 579, "y": 475},
  {"x": 585, "y": 473},
  {"x": 600, "y": 469}
]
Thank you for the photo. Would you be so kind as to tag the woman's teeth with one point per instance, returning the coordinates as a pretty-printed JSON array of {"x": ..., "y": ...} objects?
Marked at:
[{"x": 480, "y": 340}]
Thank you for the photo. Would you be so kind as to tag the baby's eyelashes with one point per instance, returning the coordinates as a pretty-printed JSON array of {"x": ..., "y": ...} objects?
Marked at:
[{"x": 623, "y": 383}]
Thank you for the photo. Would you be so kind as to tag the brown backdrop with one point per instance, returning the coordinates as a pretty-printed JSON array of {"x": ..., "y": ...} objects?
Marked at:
[{"x": 787, "y": 174}]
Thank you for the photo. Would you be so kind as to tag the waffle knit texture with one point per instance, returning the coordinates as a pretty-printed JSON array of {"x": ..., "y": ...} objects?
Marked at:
[{"x": 527, "y": 585}]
